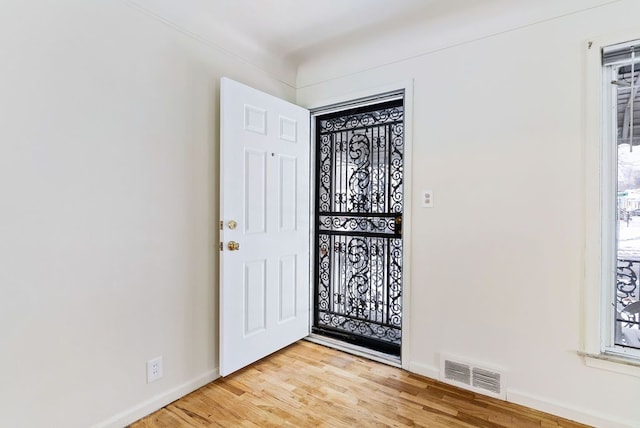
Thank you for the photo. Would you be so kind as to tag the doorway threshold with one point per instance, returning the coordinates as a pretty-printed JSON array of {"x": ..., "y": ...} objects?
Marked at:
[{"x": 360, "y": 351}]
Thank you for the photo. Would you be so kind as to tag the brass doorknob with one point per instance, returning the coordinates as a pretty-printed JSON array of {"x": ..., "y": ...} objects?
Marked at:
[{"x": 233, "y": 246}]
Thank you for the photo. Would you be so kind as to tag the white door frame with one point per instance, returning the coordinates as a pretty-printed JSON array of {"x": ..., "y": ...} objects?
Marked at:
[{"x": 407, "y": 86}]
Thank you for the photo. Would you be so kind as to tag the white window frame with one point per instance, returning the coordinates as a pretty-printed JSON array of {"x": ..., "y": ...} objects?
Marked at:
[{"x": 600, "y": 228}]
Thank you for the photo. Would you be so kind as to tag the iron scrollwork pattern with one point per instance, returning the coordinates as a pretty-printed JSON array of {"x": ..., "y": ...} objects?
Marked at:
[
  {"x": 359, "y": 208},
  {"x": 627, "y": 281}
]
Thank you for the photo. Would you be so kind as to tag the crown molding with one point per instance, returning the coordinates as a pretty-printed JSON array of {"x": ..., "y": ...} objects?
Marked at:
[{"x": 272, "y": 64}]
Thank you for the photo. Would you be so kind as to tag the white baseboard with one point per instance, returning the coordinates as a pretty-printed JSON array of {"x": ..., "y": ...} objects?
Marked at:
[
  {"x": 567, "y": 411},
  {"x": 159, "y": 401},
  {"x": 555, "y": 408},
  {"x": 424, "y": 370}
]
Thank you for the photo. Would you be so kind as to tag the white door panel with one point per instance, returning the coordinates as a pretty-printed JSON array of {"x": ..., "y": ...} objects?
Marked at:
[{"x": 264, "y": 188}]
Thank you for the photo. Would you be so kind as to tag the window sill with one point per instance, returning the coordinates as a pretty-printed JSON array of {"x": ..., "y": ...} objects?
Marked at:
[{"x": 612, "y": 362}]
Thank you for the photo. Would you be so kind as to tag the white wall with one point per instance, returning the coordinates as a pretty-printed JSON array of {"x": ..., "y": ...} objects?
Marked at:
[
  {"x": 497, "y": 265},
  {"x": 108, "y": 205}
]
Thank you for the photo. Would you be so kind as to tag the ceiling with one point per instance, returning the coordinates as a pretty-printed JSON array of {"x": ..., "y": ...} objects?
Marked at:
[
  {"x": 291, "y": 28},
  {"x": 280, "y": 35}
]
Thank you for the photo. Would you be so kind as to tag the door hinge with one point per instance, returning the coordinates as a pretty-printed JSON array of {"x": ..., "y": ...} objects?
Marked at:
[
  {"x": 221, "y": 224},
  {"x": 398, "y": 225},
  {"x": 221, "y": 247}
]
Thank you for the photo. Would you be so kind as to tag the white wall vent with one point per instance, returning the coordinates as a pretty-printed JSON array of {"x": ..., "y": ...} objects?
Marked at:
[{"x": 474, "y": 377}]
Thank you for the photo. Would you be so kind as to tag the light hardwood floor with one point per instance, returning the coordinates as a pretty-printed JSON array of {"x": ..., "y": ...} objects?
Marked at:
[{"x": 308, "y": 385}]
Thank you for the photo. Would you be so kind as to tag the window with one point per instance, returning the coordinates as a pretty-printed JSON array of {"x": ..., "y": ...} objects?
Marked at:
[{"x": 621, "y": 198}]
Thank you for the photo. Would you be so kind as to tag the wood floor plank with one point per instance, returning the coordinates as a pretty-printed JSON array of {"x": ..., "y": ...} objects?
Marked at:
[{"x": 308, "y": 385}]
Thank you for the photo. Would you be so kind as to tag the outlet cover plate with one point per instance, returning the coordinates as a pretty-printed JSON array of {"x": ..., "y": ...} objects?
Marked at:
[{"x": 154, "y": 369}]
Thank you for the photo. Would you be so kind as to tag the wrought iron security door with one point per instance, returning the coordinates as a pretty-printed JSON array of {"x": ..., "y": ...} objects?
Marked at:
[{"x": 358, "y": 243}]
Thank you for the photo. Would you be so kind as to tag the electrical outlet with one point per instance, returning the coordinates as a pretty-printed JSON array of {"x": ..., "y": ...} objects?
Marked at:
[
  {"x": 154, "y": 369},
  {"x": 426, "y": 198}
]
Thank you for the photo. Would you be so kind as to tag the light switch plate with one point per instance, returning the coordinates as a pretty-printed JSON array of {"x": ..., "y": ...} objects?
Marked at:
[{"x": 426, "y": 198}]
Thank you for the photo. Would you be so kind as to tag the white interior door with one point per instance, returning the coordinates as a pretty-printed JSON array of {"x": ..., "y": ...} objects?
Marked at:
[{"x": 264, "y": 189}]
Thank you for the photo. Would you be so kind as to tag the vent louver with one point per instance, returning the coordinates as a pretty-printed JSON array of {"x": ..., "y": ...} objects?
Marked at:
[
  {"x": 457, "y": 372},
  {"x": 485, "y": 379},
  {"x": 472, "y": 377}
]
